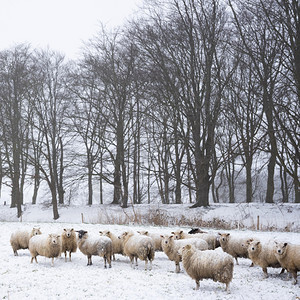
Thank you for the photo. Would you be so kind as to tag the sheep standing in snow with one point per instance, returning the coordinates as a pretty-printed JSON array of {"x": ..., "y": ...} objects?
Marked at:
[
  {"x": 288, "y": 256},
  {"x": 262, "y": 254},
  {"x": 234, "y": 245},
  {"x": 69, "y": 242},
  {"x": 117, "y": 245},
  {"x": 156, "y": 237},
  {"x": 209, "y": 264},
  {"x": 171, "y": 247},
  {"x": 211, "y": 239},
  {"x": 101, "y": 246},
  {"x": 45, "y": 245},
  {"x": 20, "y": 239},
  {"x": 138, "y": 246}
]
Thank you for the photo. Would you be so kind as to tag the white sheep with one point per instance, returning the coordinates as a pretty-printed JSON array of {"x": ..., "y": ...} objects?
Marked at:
[
  {"x": 171, "y": 247},
  {"x": 234, "y": 246},
  {"x": 288, "y": 256},
  {"x": 138, "y": 246},
  {"x": 208, "y": 264},
  {"x": 20, "y": 239},
  {"x": 211, "y": 239},
  {"x": 117, "y": 245},
  {"x": 156, "y": 237},
  {"x": 262, "y": 254},
  {"x": 69, "y": 242},
  {"x": 100, "y": 245},
  {"x": 45, "y": 245}
]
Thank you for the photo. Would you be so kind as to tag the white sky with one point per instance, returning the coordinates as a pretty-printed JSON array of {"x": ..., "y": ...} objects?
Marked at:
[{"x": 60, "y": 24}]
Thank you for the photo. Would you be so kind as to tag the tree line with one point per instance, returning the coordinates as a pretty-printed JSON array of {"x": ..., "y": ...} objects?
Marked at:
[{"x": 190, "y": 99}]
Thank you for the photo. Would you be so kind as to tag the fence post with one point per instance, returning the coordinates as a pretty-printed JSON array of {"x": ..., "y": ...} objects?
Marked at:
[{"x": 257, "y": 223}]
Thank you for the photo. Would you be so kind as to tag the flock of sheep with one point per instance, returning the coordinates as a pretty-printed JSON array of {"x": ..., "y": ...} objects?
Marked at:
[{"x": 204, "y": 255}]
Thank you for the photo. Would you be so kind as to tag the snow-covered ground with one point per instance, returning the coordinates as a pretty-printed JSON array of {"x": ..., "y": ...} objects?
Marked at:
[{"x": 75, "y": 280}]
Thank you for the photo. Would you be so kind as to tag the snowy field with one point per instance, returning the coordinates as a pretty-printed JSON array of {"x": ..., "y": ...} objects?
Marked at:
[{"x": 75, "y": 280}]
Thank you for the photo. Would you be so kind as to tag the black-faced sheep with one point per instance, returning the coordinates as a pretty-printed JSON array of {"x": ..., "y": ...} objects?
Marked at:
[
  {"x": 101, "y": 246},
  {"x": 171, "y": 247},
  {"x": 156, "y": 237},
  {"x": 211, "y": 239},
  {"x": 288, "y": 256},
  {"x": 20, "y": 239},
  {"x": 45, "y": 245},
  {"x": 138, "y": 246},
  {"x": 69, "y": 242},
  {"x": 196, "y": 230},
  {"x": 117, "y": 244},
  {"x": 234, "y": 246},
  {"x": 262, "y": 254},
  {"x": 209, "y": 264}
]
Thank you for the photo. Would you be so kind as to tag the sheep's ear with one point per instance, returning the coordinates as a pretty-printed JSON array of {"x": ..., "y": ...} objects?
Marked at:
[
  {"x": 181, "y": 231},
  {"x": 228, "y": 234},
  {"x": 275, "y": 243},
  {"x": 172, "y": 232},
  {"x": 219, "y": 233},
  {"x": 188, "y": 247},
  {"x": 72, "y": 229},
  {"x": 101, "y": 232},
  {"x": 50, "y": 234},
  {"x": 146, "y": 232},
  {"x": 58, "y": 236},
  {"x": 258, "y": 243},
  {"x": 65, "y": 229},
  {"x": 139, "y": 232},
  {"x": 285, "y": 244}
]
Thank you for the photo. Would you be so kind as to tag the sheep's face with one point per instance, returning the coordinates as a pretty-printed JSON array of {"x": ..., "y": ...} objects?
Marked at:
[
  {"x": 254, "y": 247},
  {"x": 36, "y": 231},
  {"x": 280, "y": 248},
  {"x": 177, "y": 234},
  {"x": 223, "y": 238},
  {"x": 166, "y": 240},
  {"x": 68, "y": 232},
  {"x": 54, "y": 238},
  {"x": 81, "y": 233}
]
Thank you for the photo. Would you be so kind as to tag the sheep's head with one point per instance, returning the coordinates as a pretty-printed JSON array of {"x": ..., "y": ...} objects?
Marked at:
[
  {"x": 280, "y": 248},
  {"x": 167, "y": 240},
  {"x": 177, "y": 234},
  {"x": 224, "y": 237},
  {"x": 247, "y": 243},
  {"x": 184, "y": 249},
  {"x": 254, "y": 247},
  {"x": 68, "y": 232},
  {"x": 81, "y": 233},
  {"x": 143, "y": 232},
  {"x": 35, "y": 231},
  {"x": 54, "y": 238},
  {"x": 126, "y": 235}
]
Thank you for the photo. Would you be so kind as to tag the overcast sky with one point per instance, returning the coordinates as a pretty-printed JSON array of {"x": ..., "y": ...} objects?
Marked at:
[{"x": 60, "y": 24}]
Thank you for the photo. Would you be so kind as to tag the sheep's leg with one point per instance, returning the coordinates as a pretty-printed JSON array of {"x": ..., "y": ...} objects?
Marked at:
[
  {"x": 146, "y": 264},
  {"x": 252, "y": 265},
  {"x": 89, "y": 260},
  {"x": 136, "y": 261},
  {"x": 131, "y": 261},
  {"x": 65, "y": 255},
  {"x": 114, "y": 257},
  {"x": 31, "y": 259},
  {"x": 197, "y": 285},
  {"x": 109, "y": 261},
  {"x": 236, "y": 259},
  {"x": 227, "y": 287},
  {"x": 16, "y": 253},
  {"x": 150, "y": 265},
  {"x": 294, "y": 273},
  {"x": 52, "y": 262},
  {"x": 177, "y": 269},
  {"x": 70, "y": 255},
  {"x": 282, "y": 271},
  {"x": 265, "y": 272},
  {"x": 104, "y": 258}
]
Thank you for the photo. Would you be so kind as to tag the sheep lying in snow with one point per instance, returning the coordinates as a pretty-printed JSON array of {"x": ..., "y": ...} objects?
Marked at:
[
  {"x": 156, "y": 237},
  {"x": 69, "y": 242},
  {"x": 262, "y": 254},
  {"x": 234, "y": 245},
  {"x": 45, "y": 245},
  {"x": 117, "y": 245},
  {"x": 101, "y": 246},
  {"x": 288, "y": 256},
  {"x": 196, "y": 230},
  {"x": 211, "y": 239},
  {"x": 138, "y": 246},
  {"x": 171, "y": 247},
  {"x": 209, "y": 264},
  {"x": 20, "y": 239}
]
